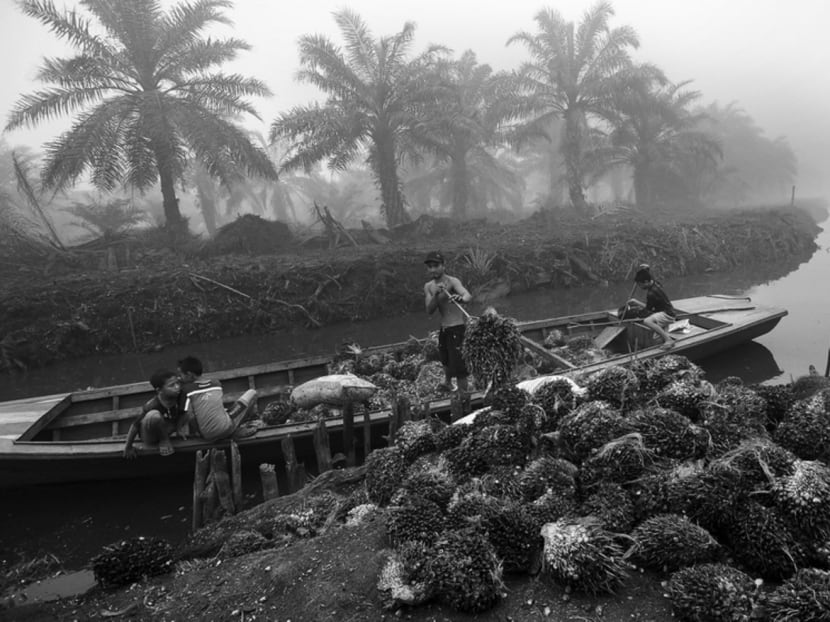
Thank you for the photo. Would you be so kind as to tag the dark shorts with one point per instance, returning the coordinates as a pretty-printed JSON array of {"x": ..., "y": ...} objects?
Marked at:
[{"x": 450, "y": 339}]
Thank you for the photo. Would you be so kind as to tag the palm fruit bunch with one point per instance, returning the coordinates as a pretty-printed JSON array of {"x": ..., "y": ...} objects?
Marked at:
[
  {"x": 615, "y": 385},
  {"x": 711, "y": 593},
  {"x": 469, "y": 505},
  {"x": 307, "y": 517},
  {"x": 414, "y": 556},
  {"x": 671, "y": 541},
  {"x": 656, "y": 374},
  {"x": 806, "y": 387},
  {"x": 429, "y": 347},
  {"x": 429, "y": 377},
  {"x": 502, "y": 481},
  {"x": 582, "y": 555},
  {"x": 557, "y": 398},
  {"x": 470, "y": 459},
  {"x": 383, "y": 381},
  {"x": 589, "y": 427},
  {"x": 492, "y": 348},
  {"x": 278, "y": 412},
  {"x": 356, "y": 498},
  {"x": 385, "y": 471},
  {"x": 803, "y": 499},
  {"x": 372, "y": 364},
  {"x": 416, "y": 518},
  {"x": 685, "y": 397},
  {"x": 415, "y": 438},
  {"x": 513, "y": 533},
  {"x": 761, "y": 541},
  {"x": 779, "y": 398},
  {"x": 621, "y": 460},
  {"x": 758, "y": 461},
  {"x": 804, "y": 597},
  {"x": 463, "y": 571},
  {"x": 709, "y": 497},
  {"x": 805, "y": 429},
  {"x": 546, "y": 473},
  {"x": 730, "y": 421},
  {"x": 430, "y": 484},
  {"x": 504, "y": 445},
  {"x": 396, "y": 586},
  {"x": 551, "y": 507},
  {"x": 649, "y": 493},
  {"x": 669, "y": 434},
  {"x": 451, "y": 436},
  {"x": 243, "y": 542},
  {"x": 410, "y": 366},
  {"x": 580, "y": 343},
  {"x": 131, "y": 560},
  {"x": 508, "y": 399},
  {"x": 743, "y": 402},
  {"x": 611, "y": 506}
]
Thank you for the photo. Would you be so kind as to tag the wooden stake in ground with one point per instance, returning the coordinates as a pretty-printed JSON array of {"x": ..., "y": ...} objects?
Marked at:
[
  {"x": 321, "y": 446},
  {"x": 219, "y": 468},
  {"x": 348, "y": 433},
  {"x": 199, "y": 480},
  {"x": 268, "y": 478},
  {"x": 236, "y": 475},
  {"x": 295, "y": 473}
]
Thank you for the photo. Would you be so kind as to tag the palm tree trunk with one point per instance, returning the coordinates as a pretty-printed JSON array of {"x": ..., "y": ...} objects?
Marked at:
[
  {"x": 572, "y": 151},
  {"x": 641, "y": 185},
  {"x": 460, "y": 185},
  {"x": 386, "y": 170}
]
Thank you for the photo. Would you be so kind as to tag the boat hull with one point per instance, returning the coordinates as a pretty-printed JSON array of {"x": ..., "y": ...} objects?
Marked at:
[{"x": 47, "y": 452}]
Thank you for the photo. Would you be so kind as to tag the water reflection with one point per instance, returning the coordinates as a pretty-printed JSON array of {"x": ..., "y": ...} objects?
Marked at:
[
  {"x": 769, "y": 283},
  {"x": 752, "y": 362}
]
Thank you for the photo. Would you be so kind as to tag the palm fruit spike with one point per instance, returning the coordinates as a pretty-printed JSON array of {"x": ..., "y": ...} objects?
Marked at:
[
  {"x": 131, "y": 560},
  {"x": 620, "y": 460},
  {"x": 417, "y": 518},
  {"x": 611, "y": 506},
  {"x": 385, "y": 471},
  {"x": 464, "y": 572},
  {"x": 589, "y": 427},
  {"x": 615, "y": 385},
  {"x": 712, "y": 592},
  {"x": 804, "y": 500},
  {"x": 669, "y": 434},
  {"x": 802, "y": 598},
  {"x": 805, "y": 430},
  {"x": 581, "y": 554},
  {"x": 670, "y": 541},
  {"x": 492, "y": 348}
]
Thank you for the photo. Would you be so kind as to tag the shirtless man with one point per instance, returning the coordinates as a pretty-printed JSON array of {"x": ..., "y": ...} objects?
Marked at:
[
  {"x": 444, "y": 292},
  {"x": 160, "y": 417}
]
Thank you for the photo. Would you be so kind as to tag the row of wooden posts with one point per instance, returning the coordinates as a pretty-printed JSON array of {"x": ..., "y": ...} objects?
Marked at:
[{"x": 217, "y": 489}]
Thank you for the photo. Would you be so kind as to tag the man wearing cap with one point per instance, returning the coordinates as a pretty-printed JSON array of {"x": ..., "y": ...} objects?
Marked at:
[{"x": 445, "y": 293}]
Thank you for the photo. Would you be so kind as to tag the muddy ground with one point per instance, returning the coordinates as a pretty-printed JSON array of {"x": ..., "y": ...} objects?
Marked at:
[
  {"x": 134, "y": 294},
  {"x": 331, "y": 577}
]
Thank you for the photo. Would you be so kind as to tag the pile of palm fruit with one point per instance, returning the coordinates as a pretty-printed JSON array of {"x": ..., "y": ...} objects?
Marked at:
[
  {"x": 127, "y": 561},
  {"x": 722, "y": 490}
]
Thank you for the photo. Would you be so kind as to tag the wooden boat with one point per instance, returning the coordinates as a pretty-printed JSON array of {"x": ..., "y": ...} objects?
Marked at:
[{"x": 79, "y": 436}]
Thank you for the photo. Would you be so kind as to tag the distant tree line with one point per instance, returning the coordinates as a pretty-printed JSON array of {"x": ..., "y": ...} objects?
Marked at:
[{"x": 433, "y": 131}]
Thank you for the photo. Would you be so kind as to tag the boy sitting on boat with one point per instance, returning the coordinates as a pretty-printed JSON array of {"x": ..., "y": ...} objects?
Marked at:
[
  {"x": 161, "y": 417},
  {"x": 658, "y": 311},
  {"x": 203, "y": 403}
]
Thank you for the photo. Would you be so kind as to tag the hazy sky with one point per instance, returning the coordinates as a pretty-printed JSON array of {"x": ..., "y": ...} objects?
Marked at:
[{"x": 770, "y": 56}]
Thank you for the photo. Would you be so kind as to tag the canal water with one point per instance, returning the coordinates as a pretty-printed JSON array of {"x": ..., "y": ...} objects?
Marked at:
[{"x": 74, "y": 521}]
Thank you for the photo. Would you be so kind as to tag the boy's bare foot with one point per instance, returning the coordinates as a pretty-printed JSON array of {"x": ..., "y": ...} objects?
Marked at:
[{"x": 165, "y": 449}]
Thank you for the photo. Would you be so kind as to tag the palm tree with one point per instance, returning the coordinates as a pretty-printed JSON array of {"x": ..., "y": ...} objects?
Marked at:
[
  {"x": 374, "y": 93},
  {"x": 461, "y": 125},
  {"x": 654, "y": 132},
  {"x": 569, "y": 76},
  {"x": 143, "y": 96}
]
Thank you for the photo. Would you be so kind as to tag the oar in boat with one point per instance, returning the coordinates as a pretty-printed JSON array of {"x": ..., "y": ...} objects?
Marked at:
[{"x": 527, "y": 343}]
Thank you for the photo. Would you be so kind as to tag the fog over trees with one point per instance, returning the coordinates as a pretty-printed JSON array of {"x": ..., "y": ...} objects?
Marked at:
[{"x": 399, "y": 129}]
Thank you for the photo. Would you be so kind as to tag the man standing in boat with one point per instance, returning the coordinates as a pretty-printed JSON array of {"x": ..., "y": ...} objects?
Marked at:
[
  {"x": 160, "y": 417},
  {"x": 445, "y": 293}
]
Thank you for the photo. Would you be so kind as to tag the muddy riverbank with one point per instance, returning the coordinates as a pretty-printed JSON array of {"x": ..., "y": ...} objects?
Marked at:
[{"x": 158, "y": 298}]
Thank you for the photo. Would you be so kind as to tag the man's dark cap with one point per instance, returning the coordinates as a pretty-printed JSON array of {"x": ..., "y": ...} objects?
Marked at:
[
  {"x": 643, "y": 274},
  {"x": 434, "y": 257}
]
